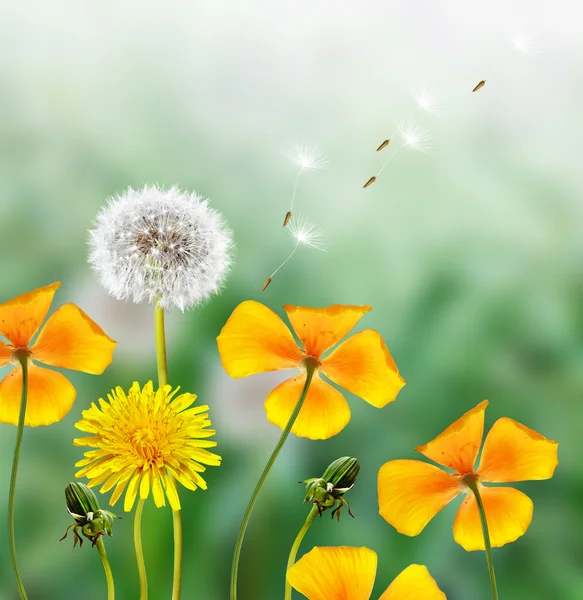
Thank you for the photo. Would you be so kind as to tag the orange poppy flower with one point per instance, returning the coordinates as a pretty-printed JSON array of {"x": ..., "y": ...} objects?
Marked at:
[
  {"x": 69, "y": 339},
  {"x": 411, "y": 492},
  {"x": 255, "y": 340},
  {"x": 345, "y": 573}
]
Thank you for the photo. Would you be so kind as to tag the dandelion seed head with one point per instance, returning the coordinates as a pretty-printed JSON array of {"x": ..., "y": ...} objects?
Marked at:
[
  {"x": 414, "y": 136},
  {"x": 525, "y": 42},
  {"x": 306, "y": 156},
  {"x": 425, "y": 99},
  {"x": 306, "y": 234},
  {"x": 160, "y": 244}
]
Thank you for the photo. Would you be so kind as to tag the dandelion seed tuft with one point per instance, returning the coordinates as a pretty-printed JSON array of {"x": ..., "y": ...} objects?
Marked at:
[
  {"x": 307, "y": 234},
  {"x": 414, "y": 136},
  {"x": 425, "y": 99},
  {"x": 525, "y": 42},
  {"x": 306, "y": 156},
  {"x": 162, "y": 245}
]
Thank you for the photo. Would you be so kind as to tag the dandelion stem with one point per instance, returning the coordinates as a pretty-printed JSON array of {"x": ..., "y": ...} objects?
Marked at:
[
  {"x": 160, "y": 335},
  {"x": 106, "y": 567},
  {"x": 286, "y": 260},
  {"x": 296, "y": 546},
  {"x": 139, "y": 550},
  {"x": 291, "y": 207},
  {"x": 177, "y": 582},
  {"x": 388, "y": 161},
  {"x": 310, "y": 369},
  {"x": 473, "y": 485},
  {"x": 11, "y": 539},
  {"x": 160, "y": 345}
]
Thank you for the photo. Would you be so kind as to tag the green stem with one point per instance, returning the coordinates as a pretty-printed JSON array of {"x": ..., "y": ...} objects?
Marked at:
[
  {"x": 160, "y": 345},
  {"x": 473, "y": 485},
  {"x": 310, "y": 369},
  {"x": 296, "y": 546},
  {"x": 139, "y": 550},
  {"x": 160, "y": 335},
  {"x": 11, "y": 538},
  {"x": 108, "y": 574},
  {"x": 177, "y": 582}
]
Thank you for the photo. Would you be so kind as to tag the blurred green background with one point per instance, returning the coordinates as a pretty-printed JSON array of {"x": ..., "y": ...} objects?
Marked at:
[{"x": 470, "y": 256}]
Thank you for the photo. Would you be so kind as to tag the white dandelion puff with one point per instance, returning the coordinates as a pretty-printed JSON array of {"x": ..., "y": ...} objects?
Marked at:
[
  {"x": 305, "y": 234},
  {"x": 307, "y": 158},
  {"x": 425, "y": 99},
  {"x": 414, "y": 136},
  {"x": 160, "y": 245}
]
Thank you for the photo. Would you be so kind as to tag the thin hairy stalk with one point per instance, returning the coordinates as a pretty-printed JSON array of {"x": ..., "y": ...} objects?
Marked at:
[
  {"x": 296, "y": 546},
  {"x": 160, "y": 334},
  {"x": 291, "y": 206},
  {"x": 108, "y": 574},
  {"x": 286, "y": 260},
  {"x": 310, "y": 369},
  {"x": 140, "y": 551},
  {"x": 473, "y": 485},
  {"x": 19, "y": 433}
]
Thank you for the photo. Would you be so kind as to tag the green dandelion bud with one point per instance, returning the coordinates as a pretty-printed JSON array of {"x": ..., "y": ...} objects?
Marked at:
[
  {"x": 327, "y": 491},
  {"x": 90, "y": 520}
]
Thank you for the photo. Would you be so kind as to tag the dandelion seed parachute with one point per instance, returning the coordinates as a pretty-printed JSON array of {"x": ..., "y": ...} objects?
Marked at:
[
  {"x": 162, "y": 245},
  {"x": 480, "y": 85}
]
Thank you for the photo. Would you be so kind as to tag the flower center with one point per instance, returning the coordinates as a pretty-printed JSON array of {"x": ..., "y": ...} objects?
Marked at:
[
  {"x": 145, "y": 443},
  {"x": 19, "y": 355},
  {"x": 469, "y": 482},
  {"x": 310, "y": 362}
]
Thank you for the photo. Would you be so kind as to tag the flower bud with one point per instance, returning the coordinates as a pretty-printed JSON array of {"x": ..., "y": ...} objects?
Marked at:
[
  {"x": 327, "y": 491},
  {"x": 90, "y": 520}
]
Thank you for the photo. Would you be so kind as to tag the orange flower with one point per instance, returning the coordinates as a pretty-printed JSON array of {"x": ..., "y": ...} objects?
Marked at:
[
  {"x": 345, "y": 573},
  {"x": 69, "y": 339},
  {"x": 411, "y": 492},
  {"x": 255, "y": 340}
]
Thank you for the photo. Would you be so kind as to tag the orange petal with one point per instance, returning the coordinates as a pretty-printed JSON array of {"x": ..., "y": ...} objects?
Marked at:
[
  {"x": 508, "y": 512},
  {"x": 412, "y": 492},
  {"x": 513, "y": 452},
  {"x": 324, "y": 413},
  {"x": 21, "y": 317},
  {"x": 254, "y": 340},
  {"x": 335, "y": 573},
  {"x": 50, "y": 396},
  {"x": 5, "y": 354},
  {"x": 70, "y": 339},
  {"x": 322, "y": 328},
  {"x": 363, "y": 365},
  {"x": 414, "y": 583},
  {"x": 457, "y": 447}
]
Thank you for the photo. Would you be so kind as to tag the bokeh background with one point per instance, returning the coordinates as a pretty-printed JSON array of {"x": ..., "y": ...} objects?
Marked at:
[{"x": 471, "y": 256}]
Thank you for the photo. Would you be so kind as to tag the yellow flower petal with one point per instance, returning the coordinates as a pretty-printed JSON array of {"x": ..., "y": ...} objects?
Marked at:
[
  {"x": 255, "y": 340},
  {"x": 508, "y": 513},
  {"x": 322, "y": 328},
  {"x": 363, "y": 365},
  {"x": 513, "y": 452},
  {"x": 50, "y": 396},
  {"x": 5, "y": 354},
  {"x": 335, "y": 573},
  {"x": 21, "y": 317},
  {"x": 414, "y": 583},
  {"x": 324, "y": 413},
  {"x": 132, "y": 491},
  {"x": 457, "y": 447},
  {"x": 412, "y": 492},
  {"x": 70, "y": 339}
]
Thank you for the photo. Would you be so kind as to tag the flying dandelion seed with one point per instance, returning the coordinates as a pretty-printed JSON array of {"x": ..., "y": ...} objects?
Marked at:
[
  {"x": 304, "y": 234},
  {"x": 308, "y": 158},
  {"x": 425, "y": 100},
  {"x": 413, "y": 136},
  {"x": 522, "y": 41}
]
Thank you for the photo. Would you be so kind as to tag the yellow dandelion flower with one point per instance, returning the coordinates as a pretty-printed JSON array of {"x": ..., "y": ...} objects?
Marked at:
[{"x": 146, "y": 441}]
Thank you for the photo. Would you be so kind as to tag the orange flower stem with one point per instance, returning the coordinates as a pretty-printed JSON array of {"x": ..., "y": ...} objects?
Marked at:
[
  {"x": 107, "y": 568},
  {"x": 473, "y": 485},
  {"x": 296, "y": 546},
  {"x": 23, "y": 359},
  {"x": 160, "y": 334},
  {"x": 140, "y": 551},
  {"x": 310, "y": 370}
]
